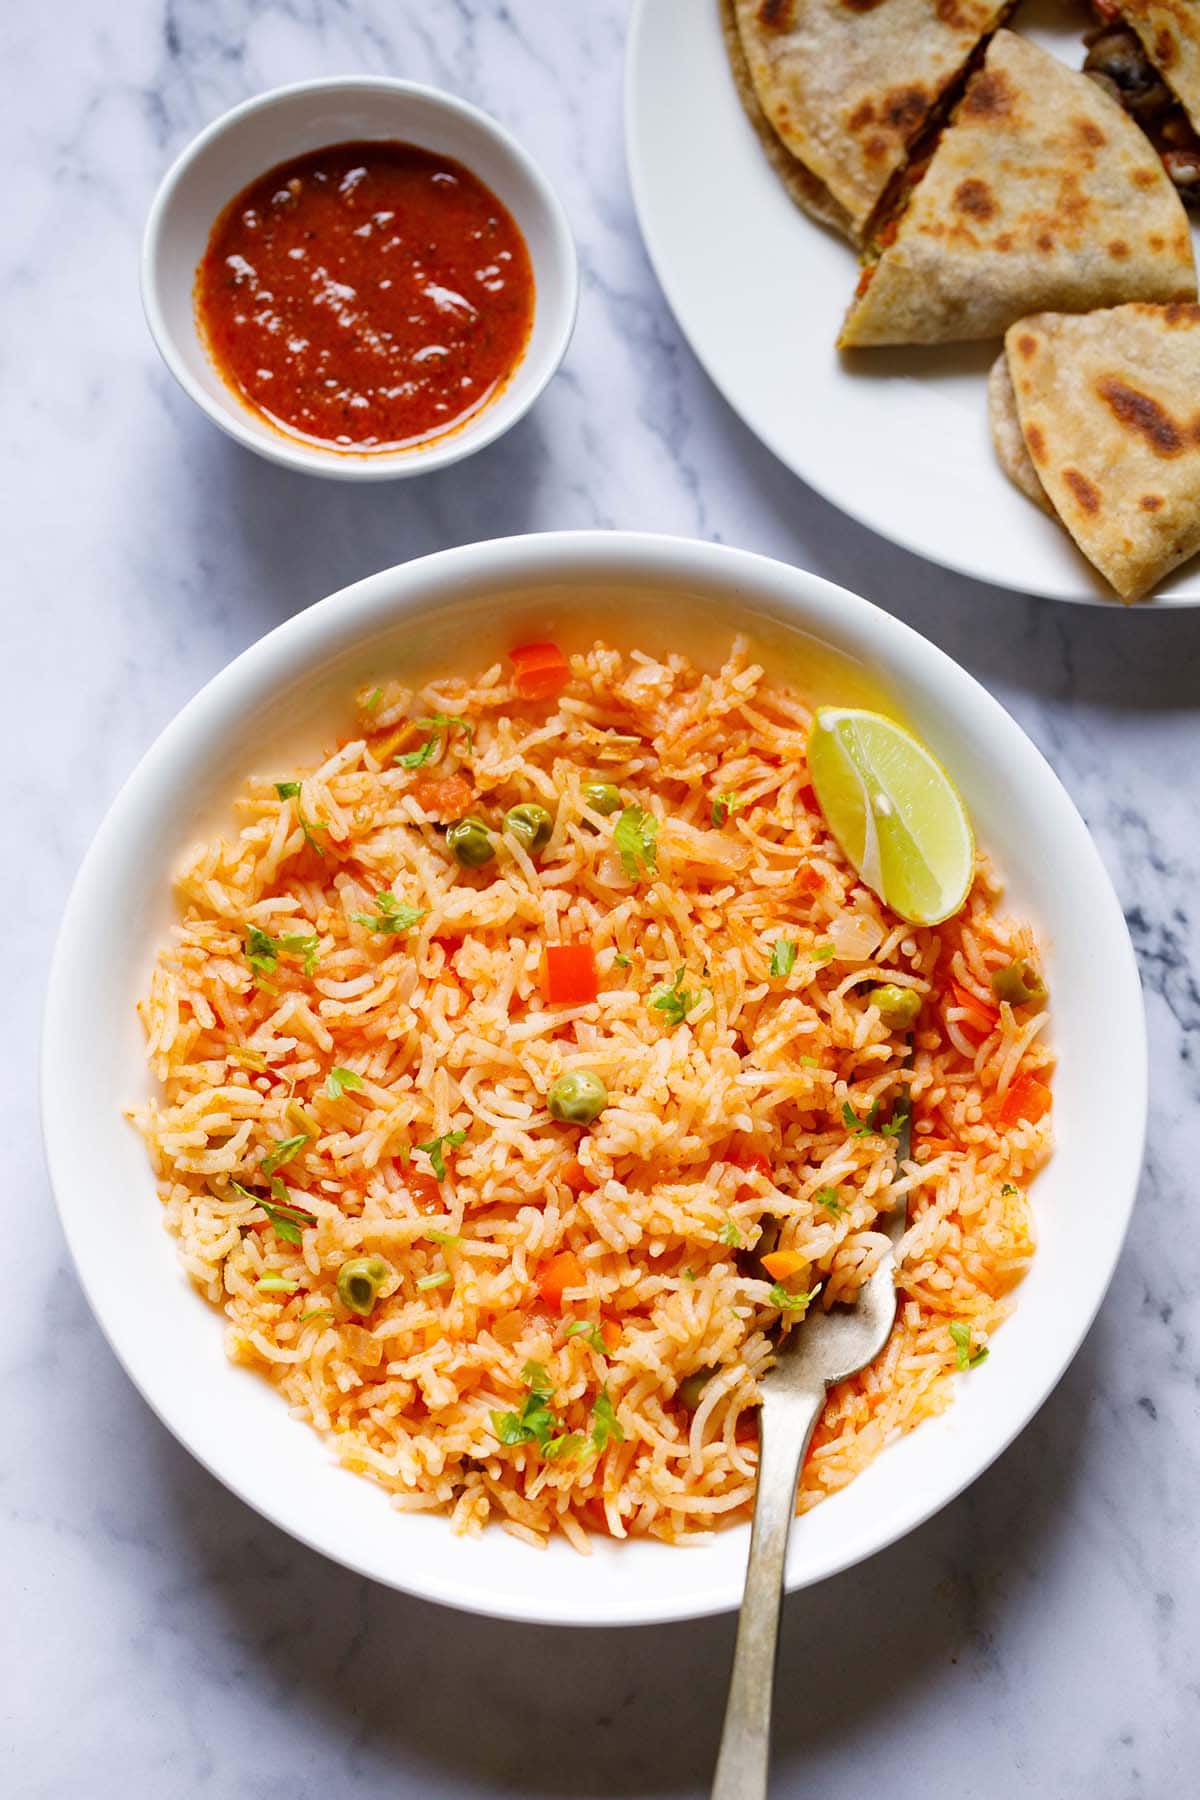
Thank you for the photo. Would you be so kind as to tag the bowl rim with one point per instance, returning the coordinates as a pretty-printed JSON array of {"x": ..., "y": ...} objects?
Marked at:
[
  {"x": 553, "y": 558},
  {"x": 559, "y": 278}
]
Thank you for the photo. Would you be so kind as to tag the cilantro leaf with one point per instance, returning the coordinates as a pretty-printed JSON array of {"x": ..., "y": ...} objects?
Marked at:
[
  {"x": 1009, "y": 1189},
  {"x": 285, "y": 1220},
  {"x": 586, "y": 1329},
  {"x": 729, "y": 1234},
  {"x": 284, "y": 1150},
  {"x": 434, "y": 1281},
  {"x": 828, "y": 1198},
  {"x": 821, "y": 953},
  {"x": 261, "y": 950},
  {"x": 287, "y": 790},
  {"x": 372, "y": 700},
  {"x": 785, "y": 1302},
  {"x": 443, "y": 1237},
  {"x": 390, "y": 915},
  {"x": 438, "y": 723},
  {"x": 783, "y": 956},
  {"x": 673, "y": 1000},
  {"x": 558, "y": 1449},
  {"x": 621, "y": 960},
  {"x": 635, "y": 836},
  {"x": 605, "y": 1424},
  {"x": 535, "y": 1423},
  {"x": 860, "y": 1127},
  {"x": 434, "y": 1148},
  {"x": 305, "y": 947},
  {"x": 338, "y": 1080},
  {"x": 315, "y": 1312},
  {"x": 724, "y": 803}
]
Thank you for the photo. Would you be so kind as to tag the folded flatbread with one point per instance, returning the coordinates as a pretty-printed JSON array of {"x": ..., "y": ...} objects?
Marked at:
[
  {"x": 1107, "y": 407},
  {"x": 1009, "y": 439},
  {"x": 805, "y": 188},
  {"x": 1041, "y": 195},
  {"x": 844, "y": 86},
  {"x": 1170, "y": 31}
]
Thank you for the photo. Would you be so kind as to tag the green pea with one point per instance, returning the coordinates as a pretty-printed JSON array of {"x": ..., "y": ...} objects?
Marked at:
[
  {"x": 530, "y": 824},
  {"x": 898, "y": 1006},
  {"x": 468, "y": 839},
  {"x": 1018, "y": 984},
  {"x": 577, "y": 1098},
  {"x": 602, "y": 797},
  {"x": 691, "y": 1388},
  {"x": 359, "y": 1280}
]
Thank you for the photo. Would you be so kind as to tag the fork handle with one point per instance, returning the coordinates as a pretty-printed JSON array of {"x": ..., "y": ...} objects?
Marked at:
[{"x": 744, "y": 1758}]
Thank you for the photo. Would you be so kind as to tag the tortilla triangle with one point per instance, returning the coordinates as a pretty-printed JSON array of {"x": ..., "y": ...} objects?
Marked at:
[
  {"x": 1170, "y": 31},
  {"x": 846, "y": 85},
  {"x": 1108, "y": 406},
  {"x": 1041, "y": 195}
]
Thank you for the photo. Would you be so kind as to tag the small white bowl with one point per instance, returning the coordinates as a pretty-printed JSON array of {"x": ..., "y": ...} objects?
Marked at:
[
  {"x": 283, "y": 699},
  {"x": 290, "y": 121}
]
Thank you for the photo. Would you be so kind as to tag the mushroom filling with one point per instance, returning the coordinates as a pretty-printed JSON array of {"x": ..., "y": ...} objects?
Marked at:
[{"x": 1117, "y": 62}]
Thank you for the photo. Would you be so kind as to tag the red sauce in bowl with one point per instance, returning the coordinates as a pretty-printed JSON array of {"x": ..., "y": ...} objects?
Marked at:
[{"x": 367, "y": 296}]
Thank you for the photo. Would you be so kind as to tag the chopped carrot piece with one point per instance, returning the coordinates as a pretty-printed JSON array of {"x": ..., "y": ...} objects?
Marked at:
[
  {"x": 811, "y": 879},
  {"x": 779, "y": 1264},
  {"x": 443, "y": 796},
  {"x": 541, "y": 670},
  {"x": 1027, "y": 1098},
  {"x": 981, "y": 1019},
  {"x": 610, "y": 1333},
  {"x": 569, "y": 974},
  {"x": 562, "y": 1271},
  {"x": 577, "y": 1178}
]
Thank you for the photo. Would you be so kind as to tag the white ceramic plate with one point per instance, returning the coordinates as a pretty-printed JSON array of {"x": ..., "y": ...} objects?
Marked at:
[
  {"x": 289, "y": 693},
  {"x": 897, "y": 438}
]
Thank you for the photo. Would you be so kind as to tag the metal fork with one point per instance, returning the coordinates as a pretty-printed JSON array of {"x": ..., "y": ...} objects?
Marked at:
[{"x": 826, "y": 1348}]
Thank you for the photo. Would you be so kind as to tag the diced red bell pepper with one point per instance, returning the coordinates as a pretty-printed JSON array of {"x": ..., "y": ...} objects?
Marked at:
[
  {"x": 541, "y": 670},
  {"x": 1028, "y": 1099},
  {"x": 569, "y": 974}
]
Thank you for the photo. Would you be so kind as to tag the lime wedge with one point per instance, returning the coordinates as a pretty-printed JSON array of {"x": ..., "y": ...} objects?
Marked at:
[{"x": 894, "y": 810}]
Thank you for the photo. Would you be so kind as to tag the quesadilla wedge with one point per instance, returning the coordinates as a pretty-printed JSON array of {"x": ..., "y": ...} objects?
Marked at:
[
  {"x": 805, "y": 188},
  {"x": 1108, "y": 408},
  {"x": 1146, "y": 54},
  {"x": 1040, "y": 195},
  {"x": 846, "y": 85},
  {"x": 1008, "y": 438}
]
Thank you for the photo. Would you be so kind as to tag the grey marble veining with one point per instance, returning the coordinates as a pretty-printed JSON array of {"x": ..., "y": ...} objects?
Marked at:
[{"x": 1042, "y": 1636}]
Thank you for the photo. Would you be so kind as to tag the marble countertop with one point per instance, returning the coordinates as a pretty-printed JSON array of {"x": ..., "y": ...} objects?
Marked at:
[{"x": 1040, "y": 1636}]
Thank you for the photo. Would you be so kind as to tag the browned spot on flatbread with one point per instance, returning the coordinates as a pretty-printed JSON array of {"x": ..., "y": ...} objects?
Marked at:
[
  {"x": 950, "y": 13},
  {"x": 903, "y": 108},
  {"x": 1164, "y": 48},
  {"x": 1090, "y": 132},
  {"x": 1181, "y": 312},
  {"x": 1036, "y": 442},
  {"x": 862, "y": 6},
  {"x": 1118, "y": 249},
  {"x": 1004, "y": 241},
  {"x": 1142, "y": 414},
  {"x": 1026, "y": 345},
  {"x": 775, "y": 15},
  {"x": 989, "y": 96},
  {"x": 1151, "y": 502},
  {"x": 1045, "y": 242},
  {"x": 862, "y": 116},
  {"x": 1144, "y": 178},
  {"x": 1087, "y": 496},
  {"x": 875, "y": 147},
  {"x": 975, "y": 197},
  {"x": 1155, "y": 241}
]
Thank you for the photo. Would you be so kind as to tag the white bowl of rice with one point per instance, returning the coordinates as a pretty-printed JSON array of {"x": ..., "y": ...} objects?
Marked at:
[{"x": 543, "y": 1407}]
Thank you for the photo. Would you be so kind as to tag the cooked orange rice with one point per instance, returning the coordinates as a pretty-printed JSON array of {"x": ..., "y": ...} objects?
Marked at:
[{"x": 730, "y": 1124}]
